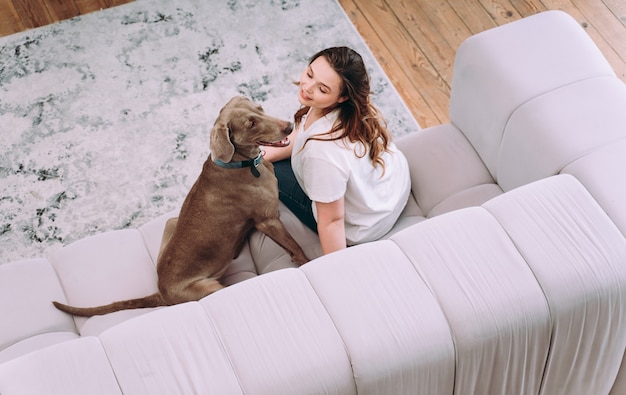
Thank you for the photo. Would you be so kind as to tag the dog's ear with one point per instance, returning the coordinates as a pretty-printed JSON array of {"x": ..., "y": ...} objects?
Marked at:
[{"x": 221, "y": 146}]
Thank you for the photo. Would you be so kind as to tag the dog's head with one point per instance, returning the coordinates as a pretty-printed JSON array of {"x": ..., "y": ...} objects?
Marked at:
[{"x": 242, "y": 126}]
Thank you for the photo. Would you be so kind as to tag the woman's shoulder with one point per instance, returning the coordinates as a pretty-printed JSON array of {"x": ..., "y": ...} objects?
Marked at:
[{"x": 395, "y": 158}]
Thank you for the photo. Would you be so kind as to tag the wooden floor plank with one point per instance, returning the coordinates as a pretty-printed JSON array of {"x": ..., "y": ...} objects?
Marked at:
[
  {"x": 33, "y": 13},
  {"x": 10, "y": 21},
  {"x": 416, "y": 66},
  {"x": 445, "y": 19},
  {"x": 87, "y": 6},
  {"x": 61, "y": 9},
  {"x": 501, "y": 11},
  {"x": 432, "y": 43},
  {"x": 113, "y": 3},
  {"x": 609, "y": 53},
  {"x": 607, "y": 25},
  {"x": 528, "y": 7},
  {"x": 473, "y": 15},
  {"x": 413, "y": 99},
  {"x": 618, "y": 8}
]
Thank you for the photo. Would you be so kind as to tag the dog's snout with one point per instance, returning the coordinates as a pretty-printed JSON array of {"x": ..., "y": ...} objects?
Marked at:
[{"x": 289, "y": 128}]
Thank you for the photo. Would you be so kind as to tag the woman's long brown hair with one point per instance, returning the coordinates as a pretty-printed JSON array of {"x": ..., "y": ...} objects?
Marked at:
[{"x": 359, "y": 120}]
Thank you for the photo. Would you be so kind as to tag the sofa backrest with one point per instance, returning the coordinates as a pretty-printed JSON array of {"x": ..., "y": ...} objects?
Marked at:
[
  {"x": 428, "y": 311},
  {"x": 500, "y": 73}
]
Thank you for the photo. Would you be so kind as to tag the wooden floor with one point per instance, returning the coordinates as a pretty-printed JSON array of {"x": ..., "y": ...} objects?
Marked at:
[
  {"x": 414, "y": 40},
  {"x": 20, "y": 15}
]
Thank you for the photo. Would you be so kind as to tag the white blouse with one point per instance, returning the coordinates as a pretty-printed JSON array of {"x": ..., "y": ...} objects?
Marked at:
[{"x": 328, "y": 170}]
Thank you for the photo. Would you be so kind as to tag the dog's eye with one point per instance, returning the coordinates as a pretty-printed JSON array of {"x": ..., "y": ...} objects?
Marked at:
[{"x": 251, "y": 123}]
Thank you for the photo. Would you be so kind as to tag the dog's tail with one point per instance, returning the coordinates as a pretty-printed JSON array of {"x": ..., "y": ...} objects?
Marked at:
[{"x": 154, "y": 300}]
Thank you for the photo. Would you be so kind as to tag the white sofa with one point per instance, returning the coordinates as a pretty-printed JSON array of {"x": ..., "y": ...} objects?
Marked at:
[{"x": 505, "y": 275}]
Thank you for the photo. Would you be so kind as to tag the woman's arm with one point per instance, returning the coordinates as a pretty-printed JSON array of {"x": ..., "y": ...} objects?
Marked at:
[
  {"x": 331, "y": 226},
  {"x": 274, "y": 154}
]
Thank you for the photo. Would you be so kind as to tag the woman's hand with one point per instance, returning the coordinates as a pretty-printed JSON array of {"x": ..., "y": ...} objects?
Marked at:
[
  {"x": 274, "y": 154},
  {"x": 331, "y": 226}
]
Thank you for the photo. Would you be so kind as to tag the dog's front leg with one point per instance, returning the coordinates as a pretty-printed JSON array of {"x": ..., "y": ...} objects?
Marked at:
[{"x": 275, "y": 230}]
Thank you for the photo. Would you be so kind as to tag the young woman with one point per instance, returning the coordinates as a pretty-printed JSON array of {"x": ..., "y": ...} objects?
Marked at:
[{"x": 341, "y": 175}]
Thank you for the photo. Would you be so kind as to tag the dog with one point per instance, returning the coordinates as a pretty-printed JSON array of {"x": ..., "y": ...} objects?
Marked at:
[{"x": 235, "y": 193}]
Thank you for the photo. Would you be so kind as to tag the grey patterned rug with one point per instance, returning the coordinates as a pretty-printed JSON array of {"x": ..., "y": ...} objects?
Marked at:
[{"x": 104, "y": 118}]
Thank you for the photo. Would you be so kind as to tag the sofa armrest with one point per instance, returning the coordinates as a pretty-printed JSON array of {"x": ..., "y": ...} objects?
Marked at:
[
  {"x": 498, "y": 70},
  {"x": 549, "y": 132}
]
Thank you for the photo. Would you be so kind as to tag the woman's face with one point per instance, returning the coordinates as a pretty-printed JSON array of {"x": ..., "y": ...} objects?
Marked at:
[{"x": 320, "y": 85}]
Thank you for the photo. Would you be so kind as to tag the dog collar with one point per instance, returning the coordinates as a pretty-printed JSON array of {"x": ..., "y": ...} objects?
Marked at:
[{"x": 251, "y": 163}]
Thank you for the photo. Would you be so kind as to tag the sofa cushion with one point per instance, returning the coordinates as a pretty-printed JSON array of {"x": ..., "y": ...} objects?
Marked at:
[
  {"x": 473, "y": 196},
  {"x": 99, "y": 323},
  {"x": 27, "y": 289},
  {"x": 394, "y": 331},
  {"x": 500, "y": 69},
  {"x": 71, "y": 368},
  {"x": 269, "y": 256},
  {"x": 105, "y": 268},
  {"x": 241, "y": 268},
  {"x": 444, "y": 165},
  {"x": 577, "y": 256},
  {"x": 152, "y": 233},
  {"x": 619, "y": 386},
  {"x": 405, "y": 221},
  {"x": 494, "y": 307}
]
